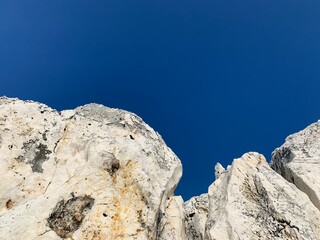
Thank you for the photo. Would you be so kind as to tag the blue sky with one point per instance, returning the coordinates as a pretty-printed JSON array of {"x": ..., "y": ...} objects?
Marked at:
[{"x": 216, "y": 78}]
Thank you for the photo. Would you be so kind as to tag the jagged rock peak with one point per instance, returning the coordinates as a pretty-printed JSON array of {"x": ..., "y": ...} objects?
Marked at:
[
  {"x": 298, "y": 161},
  {"x": 102, "y": 173},
  {"x": 251, "y": 201},
  {"x": 218, "y": 170}
]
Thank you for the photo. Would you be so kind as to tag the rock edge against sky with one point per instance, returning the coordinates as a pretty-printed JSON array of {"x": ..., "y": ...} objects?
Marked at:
[{"x": 101, "y": 173}]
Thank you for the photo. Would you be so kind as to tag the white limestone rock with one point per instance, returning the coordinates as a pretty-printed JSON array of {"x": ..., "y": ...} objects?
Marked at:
[
  {"x": 172, "y": 220},
  {"x": 195, "y": 216},
  {"x": 218, "y": 170},
  {"x": 89, "y": 173},
  {"x": 101, "y": 173},
  {"x": 298, "y": 161},
  {"x": 251, "y": 201}
]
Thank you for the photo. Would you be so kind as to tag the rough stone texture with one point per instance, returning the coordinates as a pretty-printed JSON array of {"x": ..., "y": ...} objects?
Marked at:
[
  {"x": 67, "y": 217},
  {"x": 251, "y": 201},
  {"x": 89, "y": 173},
  {"x": 172, "y": 220},
  {"x": 298, "y": 161},
  {"x": 101, "y": 173},
  {"x": 196, "y": 214}
]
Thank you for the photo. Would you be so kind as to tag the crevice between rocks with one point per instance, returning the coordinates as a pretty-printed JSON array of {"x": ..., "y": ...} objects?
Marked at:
[
  {"x": 281, "y": 157},
  {"x": 303, "y": 187}
]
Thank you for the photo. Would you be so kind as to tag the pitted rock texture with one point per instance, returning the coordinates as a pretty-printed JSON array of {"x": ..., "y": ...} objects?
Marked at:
[
  {"x": 89, "y": 173},
  {"x": 101, "y": 173},
  {"x": 67, "y": 216}
]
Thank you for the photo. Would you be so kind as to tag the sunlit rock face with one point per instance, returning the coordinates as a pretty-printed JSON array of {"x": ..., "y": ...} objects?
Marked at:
[
  {"x": 101, "y": 173},
  {"x": 196, "y": 215},
  {"x": 251, "y": 201},
  {"x": 89, "y": 173},
  {"x": 298, "y": 161}
]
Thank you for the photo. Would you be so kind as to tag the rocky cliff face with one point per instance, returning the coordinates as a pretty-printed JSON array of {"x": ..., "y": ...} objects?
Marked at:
[{"x": 102, "y": 173}]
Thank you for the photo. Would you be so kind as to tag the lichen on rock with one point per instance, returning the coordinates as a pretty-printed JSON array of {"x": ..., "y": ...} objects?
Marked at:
[
  {"x": 67, "y": 216},
  {"x": 96, "y": 152}
]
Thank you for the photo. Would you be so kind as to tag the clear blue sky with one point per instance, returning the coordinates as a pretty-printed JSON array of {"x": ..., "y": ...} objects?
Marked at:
[{"x": 216, "y": 78}]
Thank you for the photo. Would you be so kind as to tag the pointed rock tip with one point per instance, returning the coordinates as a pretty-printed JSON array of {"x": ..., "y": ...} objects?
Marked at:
[
  {"x": 218, "y": 170},
  {"x": 254, "y": 158}
]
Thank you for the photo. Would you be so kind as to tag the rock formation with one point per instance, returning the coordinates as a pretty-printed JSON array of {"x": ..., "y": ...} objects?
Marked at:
[
  {"x": 88, "y": 173},
  {"x": 298, "y": 161},
  {"x": 251, "y": 201},
  {"x": 101, "y": 173}
]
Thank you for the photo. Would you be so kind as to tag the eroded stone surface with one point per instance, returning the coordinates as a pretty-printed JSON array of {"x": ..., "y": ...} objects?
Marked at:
[
  {"x": 251, "y": 201},
  {"x": 93, "y": 152},
  {"x": 171, "y": 220},
  {"x": 101, "y": 173},
  {"x": 67, "y": 216},
  {"x": 195, "y": 217},
  {"x": 298, "y": 161}
]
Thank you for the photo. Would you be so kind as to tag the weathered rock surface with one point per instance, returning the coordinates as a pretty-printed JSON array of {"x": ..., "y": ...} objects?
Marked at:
[
  {"x": 88, "y": 173},
  {"x": 298, "y": 161},
  {"x": 196, "y": 215},
  {"x": 172, "y": 220},
  {"x": 251, "y": 201},
  {"x": 102, "y": 173}
]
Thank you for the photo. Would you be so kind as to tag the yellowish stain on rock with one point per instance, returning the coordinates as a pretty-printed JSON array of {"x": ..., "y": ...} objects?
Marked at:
[
  {"x": 125, "y": 201},
  {"x": 118, "y": 218}
]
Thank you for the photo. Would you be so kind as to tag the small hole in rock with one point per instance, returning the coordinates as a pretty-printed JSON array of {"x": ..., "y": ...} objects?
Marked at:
[
  {"x": 105, "y": 215},
  {"x": 9, "y": 204},
  {"x": 131, "y": 137}
]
